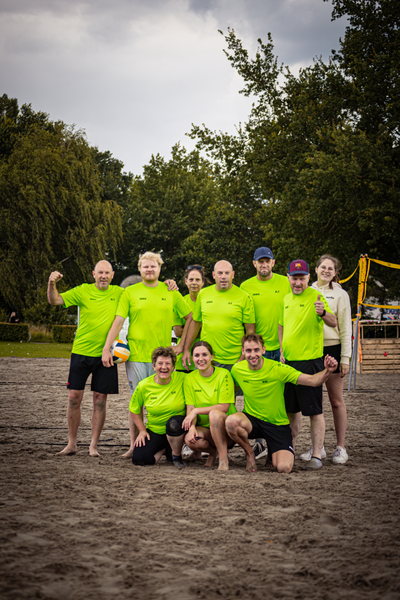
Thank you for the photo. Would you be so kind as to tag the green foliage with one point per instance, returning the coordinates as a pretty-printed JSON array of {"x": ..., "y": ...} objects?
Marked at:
[
  {"x": 24, "y": 350},
  {"x": 64, "y": 334},
  {"x": 167, "y": 205},
  {"x": 52, "y": 214},
  {"x": 14, "y": 332},
  {"x": 317, "y": 160}
]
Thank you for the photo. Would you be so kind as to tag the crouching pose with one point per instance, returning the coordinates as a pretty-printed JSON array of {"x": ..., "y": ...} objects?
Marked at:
[
  {"x": 210, "y": 397},
  {"x": 162, "y": 396},
  {"x": 263, "y": 382}
]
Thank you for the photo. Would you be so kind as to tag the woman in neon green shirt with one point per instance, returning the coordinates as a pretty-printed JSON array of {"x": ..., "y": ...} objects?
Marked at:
[
  {"x": 162, "y": 396},
  {"x": 210, "y": 398}
]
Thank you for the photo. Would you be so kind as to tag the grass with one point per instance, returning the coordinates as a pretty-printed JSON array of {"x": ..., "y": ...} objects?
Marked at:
[{"x": 35, "y": 350}]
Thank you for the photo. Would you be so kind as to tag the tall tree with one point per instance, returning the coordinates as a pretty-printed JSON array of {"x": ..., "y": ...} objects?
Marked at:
[{"x": 51, "y": 212}]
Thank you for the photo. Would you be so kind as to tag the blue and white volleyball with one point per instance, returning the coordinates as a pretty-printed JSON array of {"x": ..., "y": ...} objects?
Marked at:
[{"x": 120, "y": 351}]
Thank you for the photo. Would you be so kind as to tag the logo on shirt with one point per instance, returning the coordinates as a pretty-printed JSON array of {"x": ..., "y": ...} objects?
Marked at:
[
  {"x": 173, "y": 392},
  {"x": 142, "y": 298},
  {"x": 256, "y": 294},
  {"x": 229, "y": 302},
  {"x": 198, "y": 391},
  {"x": 209, "y": 302},
  {"x": 277, "y": 291},
  {"x": 163, "y": 298}
]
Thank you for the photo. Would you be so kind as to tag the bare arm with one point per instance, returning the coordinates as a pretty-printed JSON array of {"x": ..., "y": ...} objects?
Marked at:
[
  {"x": 143, "y": 433},
  {"x": 179, "y": 347},
  {"x": 250, "y": 327},
  {"x": 106, "y": 357},
  {"x": 193, "y": 330},
  {"x": 202, "y": 410},
  {"x": 318, "y": 379},
  {"x": 53, "y": 296},
  {"x": 178, "y": 330},
  {"x": 280, "y": 334}
]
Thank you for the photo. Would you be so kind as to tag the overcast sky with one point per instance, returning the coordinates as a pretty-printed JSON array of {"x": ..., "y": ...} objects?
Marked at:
[{"x": 134, "y": 74}]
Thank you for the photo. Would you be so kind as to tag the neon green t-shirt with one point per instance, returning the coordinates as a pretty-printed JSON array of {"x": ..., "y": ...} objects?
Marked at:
[
  {"x": 303, "y": 329},
  {"x": 222, "y": 315},
  {"x": 150, "y": 311},
  {"x": 263, "y": 389},
  {"x": 178, "y": 321},
  {"x": 267, "y": 297},
  {"x": 97, "y": 309},
  {"x": 208, "y": 391},
  {"x": 160, "y": 401}
]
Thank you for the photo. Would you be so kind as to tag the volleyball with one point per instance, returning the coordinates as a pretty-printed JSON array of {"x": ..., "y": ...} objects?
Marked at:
[{"x": 119, "y": 351}]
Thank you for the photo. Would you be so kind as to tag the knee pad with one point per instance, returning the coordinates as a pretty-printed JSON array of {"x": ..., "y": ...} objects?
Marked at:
[{"x": 174, "y": 426}]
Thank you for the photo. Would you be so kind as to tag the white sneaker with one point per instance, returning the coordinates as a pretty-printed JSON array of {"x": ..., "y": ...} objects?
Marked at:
[
  {"x": 308, "y": 455},
  {"x": 260, "y": 449},
  {"x": 340, "y": 456}
]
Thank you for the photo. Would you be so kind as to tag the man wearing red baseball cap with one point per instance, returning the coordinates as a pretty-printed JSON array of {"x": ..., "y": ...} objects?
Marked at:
[{"x": 304, "y": 312}]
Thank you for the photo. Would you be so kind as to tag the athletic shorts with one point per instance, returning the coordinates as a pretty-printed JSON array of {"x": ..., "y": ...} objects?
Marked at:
[
  {"x": 273, "y": 355},
  {"x": 336, "y": 352},
  {"x": 278, "y": 437},
  {"x": 303, "y": 398},
  {"x": 136, "y": 371},
  {"x": 144, "y": 455},
  {"x": 104, "y": 379}
]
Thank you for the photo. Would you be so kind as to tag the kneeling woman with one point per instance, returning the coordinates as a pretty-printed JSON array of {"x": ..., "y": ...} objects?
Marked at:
[
  {"x": 210, "y": 398},
  {"x": 162, "y": 396}
]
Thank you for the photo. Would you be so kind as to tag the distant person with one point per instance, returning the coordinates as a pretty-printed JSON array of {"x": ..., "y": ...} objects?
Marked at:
[
  {"x": 304, "y": 313},
  {"x": 262, "y": 381},
  {"x": 267, "y": 290},
  {"x": 150, "y": 308},
  {"x": 14, "y": 317},
  {"x": 98, "y": 304},
  {"x": 223, "y": 311},
  {"x": 162, "y": 396},
  {"x": 337, "y": 343},
  {"x": 210, "y": 397}
]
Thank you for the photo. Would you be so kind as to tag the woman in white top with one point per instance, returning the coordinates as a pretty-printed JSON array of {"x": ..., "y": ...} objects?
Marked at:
[{"x": 337, "y": 343}]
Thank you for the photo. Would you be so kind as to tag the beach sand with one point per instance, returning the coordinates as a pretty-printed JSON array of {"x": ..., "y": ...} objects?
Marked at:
[{"x": 84, "y": 528}]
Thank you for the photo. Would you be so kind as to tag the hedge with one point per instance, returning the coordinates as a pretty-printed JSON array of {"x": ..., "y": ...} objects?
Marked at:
[
  {"x": 64, "y": 334},
  {"x": 14, "y": 332}
]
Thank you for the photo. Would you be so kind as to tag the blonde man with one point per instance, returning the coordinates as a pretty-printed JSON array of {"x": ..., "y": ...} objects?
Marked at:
[{"x": 150, "y": 308}]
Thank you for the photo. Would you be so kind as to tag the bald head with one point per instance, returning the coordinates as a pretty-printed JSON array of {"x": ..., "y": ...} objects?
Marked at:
[
  {"x": 223, "y": 274},
  {"x": 103, "y": 274}
]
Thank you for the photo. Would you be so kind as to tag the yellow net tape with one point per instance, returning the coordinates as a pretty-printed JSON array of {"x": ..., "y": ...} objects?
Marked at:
[
  {"x": 344, "y": 280},
  {"x": 382, "y": 306},
  {"x": 385, "y": 264}
]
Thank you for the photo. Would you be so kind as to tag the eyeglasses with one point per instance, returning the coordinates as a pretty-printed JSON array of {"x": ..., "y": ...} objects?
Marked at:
[{"x": 197, "y": 267}]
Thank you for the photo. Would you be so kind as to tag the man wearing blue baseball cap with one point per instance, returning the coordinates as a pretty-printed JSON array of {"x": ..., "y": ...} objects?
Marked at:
[
  {"x": 267, "y": 289},
  {"x": 304, "y": 312}
]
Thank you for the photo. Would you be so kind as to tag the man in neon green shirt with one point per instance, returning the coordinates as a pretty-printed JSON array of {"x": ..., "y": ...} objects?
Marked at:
[
  {"x": 304, "y": 312},
  {"x": 262, "y": 381},
  {"x": 150, "y": 308},
  {"x": 267, "y": 290},
  {"x": 222, "y": 312},
  {"x": 98, "y": 304}
]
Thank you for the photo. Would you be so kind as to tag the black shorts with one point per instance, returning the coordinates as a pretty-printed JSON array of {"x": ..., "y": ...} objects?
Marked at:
[
  {"x": 336, "y": 352},
  {"x": 104, "y": 379},
  {"x": 144, "y": 455},
  {"x": 303, "y": 398},
  {"x": 278, "y": 437}
]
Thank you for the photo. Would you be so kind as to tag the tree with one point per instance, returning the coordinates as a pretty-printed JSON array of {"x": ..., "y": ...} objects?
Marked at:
[
  {"x": 167, "y": 204},
  {"x": 51, "y": 212},
  {"x": 319, "y": 152}
]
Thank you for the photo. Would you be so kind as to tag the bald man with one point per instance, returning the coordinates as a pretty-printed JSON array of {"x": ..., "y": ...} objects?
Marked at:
[
  {"x": 98, "y": 303},
  {"x": 223, "y": 312}
]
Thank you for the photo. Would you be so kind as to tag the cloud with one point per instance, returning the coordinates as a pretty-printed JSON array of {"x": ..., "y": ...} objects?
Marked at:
[{"x": 135, "y": 74}]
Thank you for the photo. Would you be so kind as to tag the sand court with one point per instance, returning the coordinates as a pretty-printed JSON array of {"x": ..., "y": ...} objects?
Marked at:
[{"x": 86, "y": 528}]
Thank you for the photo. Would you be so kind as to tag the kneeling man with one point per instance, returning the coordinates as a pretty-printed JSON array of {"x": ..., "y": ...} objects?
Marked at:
[{"x": 263, "y": 383}]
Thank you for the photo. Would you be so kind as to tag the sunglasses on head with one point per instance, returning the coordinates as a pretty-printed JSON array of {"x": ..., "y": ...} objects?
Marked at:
[{"x": 191, "y": 267}]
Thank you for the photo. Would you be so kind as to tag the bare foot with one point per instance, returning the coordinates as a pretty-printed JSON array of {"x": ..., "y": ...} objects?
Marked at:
[
  {"x": 68, "y": 450},
  {"x": 223, "y": 465},
  {"x": 251, "y": 464},
  {"x": 95, "y": 453},
  {"x": 127, "y": 454},
  {"x": 211, "y": 460}
]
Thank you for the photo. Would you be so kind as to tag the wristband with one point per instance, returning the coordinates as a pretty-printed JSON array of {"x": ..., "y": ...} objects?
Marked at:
[{"x": 324, "y": 313}]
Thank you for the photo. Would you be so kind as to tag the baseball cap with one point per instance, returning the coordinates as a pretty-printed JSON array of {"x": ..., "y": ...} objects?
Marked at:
[
  {"x": 263, "y": 252},
  {"x": 298, "y": 267}
]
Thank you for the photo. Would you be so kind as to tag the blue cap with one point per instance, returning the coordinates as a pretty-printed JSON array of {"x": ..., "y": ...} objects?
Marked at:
[{"x": 263, "y": 252}]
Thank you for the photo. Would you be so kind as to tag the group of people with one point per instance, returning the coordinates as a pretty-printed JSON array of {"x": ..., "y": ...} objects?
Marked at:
[{"x": 274, "y": 339}]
